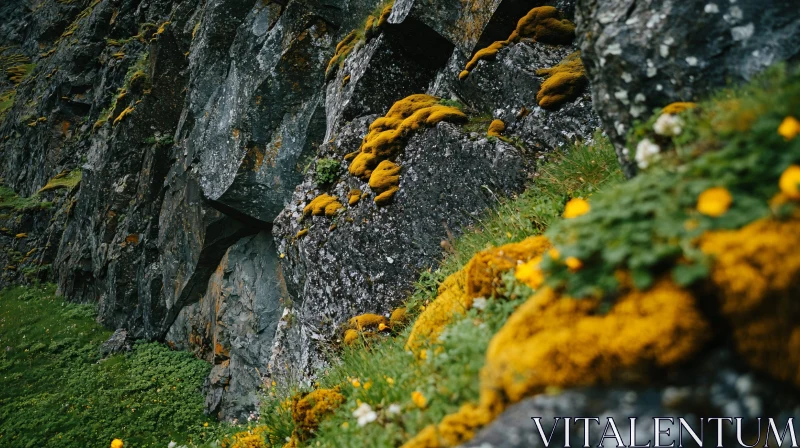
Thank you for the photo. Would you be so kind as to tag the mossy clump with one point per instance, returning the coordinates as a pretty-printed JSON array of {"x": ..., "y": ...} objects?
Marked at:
[
  {"x": 326, "y": 171},
  {"x": 385, "y": 180},
  {"x": 251, "y": 438},
  {"x": 343, "y": 49},
  {"x": 125, "y": 112},
  {"x": 398, "y": 319},
  {"x": 301, "y": 233},
  {"x": 310, "y": 409},
  {"x": 564, "y": 82},
  {"x": 353, "y": 196},
  {"x": 481, "y": 277},
  {"x": 18, "y": 73},
  {"x": 65, "y": 180},
  {"x": 542, "y": 24},
  {"x": 323, "y": 204},
  {"x": 367, "y": 321},
  {"x": 553, "y": 340},
  {"x": 496, "y": 128},
  {"x": 388, "y": 134},
  {"x": 757, "y": 273}
]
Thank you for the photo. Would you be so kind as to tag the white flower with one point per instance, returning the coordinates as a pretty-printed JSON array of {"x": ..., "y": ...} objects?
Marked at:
[
  {"x": 172, "y": 444},
  {"x": 646, "y": 153},
  {"x": 365, "y": 414},
  {"x": 394, "y": 409},
  {"x": 668, "y": 124},
  {"x": 479, "y": 303}
]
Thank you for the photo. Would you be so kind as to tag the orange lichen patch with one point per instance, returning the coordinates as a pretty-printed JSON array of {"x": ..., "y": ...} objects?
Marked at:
[
  {"x": 496, "y": 128},
  {"x": 127, "y": 111},
  {"x": 542, "y": 24},
  {"x": 354, "y": 196},
  {"x": 350, "y": 336},
  {"x": 21, "y": 235},
  {"x": 757, "y": 273},
  {"x": 343, "y": 49},
  {"x": 388, "y": 133},
  {"x": 133, "y": 238},
  {"x": 678, "y": 107},
  {"x": 558, "y": 341},
  {"x": 385, "y": 180},
  {"x": 485, "y": 269},
  {"x": 300, "y": 234},
  {"x": 323, "y": 204},
  {"x": 479, "y": 278},
  {"x": 367, "y": 321},
  {"x": 564, "y": 82},
  {"x": 398, "y": 319},
  {"x": 310, "y": 409}
]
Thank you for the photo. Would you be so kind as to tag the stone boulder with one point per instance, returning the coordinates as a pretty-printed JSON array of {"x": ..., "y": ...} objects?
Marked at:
[{"x": 644, "y": 55}]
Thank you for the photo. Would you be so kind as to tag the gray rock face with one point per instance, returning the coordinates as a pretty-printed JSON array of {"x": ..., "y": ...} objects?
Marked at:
[
  {"x": 368, "y": 262},
  {"x": 233, "y": 325},
  {"x": 714, "y": 387},
  {"x": 643, "y": 55}
]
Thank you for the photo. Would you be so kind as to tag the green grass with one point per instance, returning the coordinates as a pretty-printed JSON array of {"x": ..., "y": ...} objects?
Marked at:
[
  {"x": 58, "y": 392},
  {"x": 448, "y": 377},
  {"x": 10, "y": 200},
  {"x": 66, "y": 180}
]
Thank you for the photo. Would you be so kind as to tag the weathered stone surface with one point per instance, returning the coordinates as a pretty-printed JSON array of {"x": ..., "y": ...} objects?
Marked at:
[
  {"x": 714, "y": 387},
  {"x": 642, "y": 55},
  {"x": 233, "y": 325},
  {"x": 368, "y": 260},
  {"x": 117, "y": 343}
]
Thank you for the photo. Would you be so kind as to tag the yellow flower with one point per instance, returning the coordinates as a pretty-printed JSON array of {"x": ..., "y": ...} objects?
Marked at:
[
  {"x": 573, "y": 263},
  {"x": 367, "y": 385},
  {"x": 205, "y": 425},
  {"x": 419, "y": 399},
  {"x": 345, "y": 425},
  {"x": 789, "y": 128},
  {"x": 576, "y": 207},
  {"x": 530, "y": 273},
  {"x": 390, "y": 380},
  {"x": 423, "y": 354},
  {"x": 554, "y": 253},
  {"x": 714, "y": 202},
  {"x": 116, "y": 443},
  {"x": 790, "y": 181},
  {"x": 355, "y": 383},
  {"x": 382, "y": 326}
]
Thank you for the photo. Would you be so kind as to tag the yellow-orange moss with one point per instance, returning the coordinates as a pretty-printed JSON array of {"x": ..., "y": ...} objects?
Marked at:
[
  {"x": 367, "y": 321},
  {"x": 252, "y": 438},
  {"x": 542, "y": 24},
  {"x": 310, "y": 409},
  {"x": 354, "y": 196},
  {"x": 301, "y": 233},
  {"x": 125, "y": 112},
  {"x": 387, "y": 11},
  {"x": 323, "y": 204},
  {"x": 678, "y": 107},
  {"x": 757, "y": 274},
  {"x": 385, "y": 180},
  {"x": 564, "y": 82},
  {"x": 558, "y": 341},
  {"x": 343, "y": 49},
  {"x": 350, "y": 336},
  {"x": 388, "y": 133},
  {"x": 479, "y": 278},
  {"x": 496, "y": 128},
  {"x": 398, "y": 319}
]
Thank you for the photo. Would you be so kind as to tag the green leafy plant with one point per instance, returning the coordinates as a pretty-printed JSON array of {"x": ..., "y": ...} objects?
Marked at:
[{"x": 327, "y": 171}]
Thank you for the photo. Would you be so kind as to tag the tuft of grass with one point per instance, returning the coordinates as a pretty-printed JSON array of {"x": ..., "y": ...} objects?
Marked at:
[
  {"x": 66, "y": 180},
  {"x": 58, "y": 392},
  {"x": 10, "y": 200}
]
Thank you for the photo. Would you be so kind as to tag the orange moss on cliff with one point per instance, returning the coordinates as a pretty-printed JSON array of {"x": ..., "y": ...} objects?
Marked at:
[
  {"x": 310, "y": 409},
  {"x": 564, "y": 82},
  {"x": 542, "y": 24},
  {"x": 385, "y": 180},
  {"x": 323, "y": 204}
]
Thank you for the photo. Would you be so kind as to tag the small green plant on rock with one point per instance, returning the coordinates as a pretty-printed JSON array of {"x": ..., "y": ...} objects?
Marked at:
[{"x": 327, "y": 170}]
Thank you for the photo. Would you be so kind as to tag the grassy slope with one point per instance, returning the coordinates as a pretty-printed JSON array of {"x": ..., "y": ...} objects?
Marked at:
[
  {"x": 386, "y": 374},
  {"x": 58, "y": 392}
]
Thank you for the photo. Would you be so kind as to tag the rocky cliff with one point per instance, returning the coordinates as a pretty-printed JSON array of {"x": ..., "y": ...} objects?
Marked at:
[{"x": 240, "y": 178}]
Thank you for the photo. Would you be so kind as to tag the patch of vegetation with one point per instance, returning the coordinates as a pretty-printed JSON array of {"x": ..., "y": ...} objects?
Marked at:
[
  {"x": 10, "y": 200},
  {"x": 58, "y": 392},
  {"x": 160, "y": 141},
  {"x": 327, "y": 171},
  {"x": 67, "y": 180},
  {"x": 728, "y": 146}
]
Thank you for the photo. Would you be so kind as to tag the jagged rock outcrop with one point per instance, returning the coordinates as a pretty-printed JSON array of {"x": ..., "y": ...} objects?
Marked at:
[{"x": 644, "y": 55}]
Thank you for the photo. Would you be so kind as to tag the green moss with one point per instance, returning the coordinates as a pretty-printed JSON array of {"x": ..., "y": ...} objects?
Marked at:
[
  {"x": 65, "y": 180},
  {"x": 7, "y": 102},
  {"x": 10, "y": 200},
  {"x": 327, "y": 171}
]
